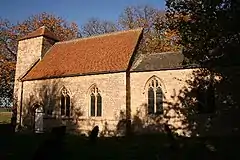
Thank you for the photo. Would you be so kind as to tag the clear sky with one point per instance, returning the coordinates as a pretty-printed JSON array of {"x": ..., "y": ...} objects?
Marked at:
[{"x": 78, "y": 11}]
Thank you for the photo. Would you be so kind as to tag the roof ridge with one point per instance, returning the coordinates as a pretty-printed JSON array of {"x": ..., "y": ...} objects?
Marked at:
[{"x": 101, "y": 35}]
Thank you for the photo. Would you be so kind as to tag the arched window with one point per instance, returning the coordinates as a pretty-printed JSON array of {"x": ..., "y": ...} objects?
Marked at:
[
  {"x": 93, "y": 105},
  {"x": 65, "y": 103},
  {"x": 155, "y": 97},
  {"x": 150, "y": 100},
  {"x": 99, "y": 105},
  {"x": 159, "y": 101},
  {"x": 96, "y": 102}
]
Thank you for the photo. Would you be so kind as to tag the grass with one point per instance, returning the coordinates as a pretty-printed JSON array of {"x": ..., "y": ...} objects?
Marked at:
[
  {"x": 5, "y": 117},
  {"x": 156, "y": 147},
  {"x": 22, "y": 146},
  {"x": 5, "y": 109},
  {"x": 19, "y": 146}
]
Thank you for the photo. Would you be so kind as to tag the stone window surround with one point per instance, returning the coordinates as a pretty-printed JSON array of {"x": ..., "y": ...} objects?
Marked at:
[
  {"x": 64, "y": 92},
  {"x": 94, "y": 90},
  {"x": 145, "y": 92}
]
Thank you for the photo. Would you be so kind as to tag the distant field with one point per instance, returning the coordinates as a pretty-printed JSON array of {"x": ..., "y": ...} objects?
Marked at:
[
  {"x": 5, "y": 117},
  {"x": 5, "y": 109}
]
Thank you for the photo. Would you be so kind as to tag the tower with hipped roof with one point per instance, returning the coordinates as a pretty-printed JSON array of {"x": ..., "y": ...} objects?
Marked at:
[{"x": 31, "y": 48}]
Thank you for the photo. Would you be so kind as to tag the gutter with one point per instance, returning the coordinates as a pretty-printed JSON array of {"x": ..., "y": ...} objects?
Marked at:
[{"x": 73, "y": 75}]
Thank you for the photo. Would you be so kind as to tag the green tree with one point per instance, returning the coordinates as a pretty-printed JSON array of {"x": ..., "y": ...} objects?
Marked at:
[
  {"x": 208, "y": 28},
  {"x": 209, "y": 34}
]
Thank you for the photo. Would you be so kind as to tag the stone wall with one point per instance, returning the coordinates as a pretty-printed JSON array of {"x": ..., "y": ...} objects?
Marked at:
[
  {"x": 181, "y": 107},
  {"x": 172, "y": 81},
  {"x": 113, "y": 91},
  {"x": 47, "y": 93},
  {"x": 29, "y": 51}
]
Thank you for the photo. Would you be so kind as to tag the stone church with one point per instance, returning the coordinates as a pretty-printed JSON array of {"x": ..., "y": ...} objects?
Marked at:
[{"x": 99, "y": 80}]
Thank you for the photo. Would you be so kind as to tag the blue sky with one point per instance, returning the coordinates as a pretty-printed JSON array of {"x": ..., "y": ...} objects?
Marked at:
[{"x": 78, "y": 11}]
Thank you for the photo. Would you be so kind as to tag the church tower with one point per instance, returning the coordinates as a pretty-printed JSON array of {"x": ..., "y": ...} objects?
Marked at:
[{"x": 31, "y": 49}]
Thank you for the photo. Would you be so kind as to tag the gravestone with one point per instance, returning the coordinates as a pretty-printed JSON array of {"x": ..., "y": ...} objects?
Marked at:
[
  {"x": 94, "y": 134},
  {"x": 39, "y": 120}
]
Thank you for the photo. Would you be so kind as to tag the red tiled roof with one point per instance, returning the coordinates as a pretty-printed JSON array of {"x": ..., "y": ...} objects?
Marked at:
[
  {"x": 104, "y": 53},
  {"x": 42, "y": 31}
]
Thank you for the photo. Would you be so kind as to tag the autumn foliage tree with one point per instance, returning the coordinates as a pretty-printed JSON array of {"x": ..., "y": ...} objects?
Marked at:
[
  {"x": 7, "y": 61},
  {"x": 9, "y": 33},
  {"x": 158, "y": 37}
]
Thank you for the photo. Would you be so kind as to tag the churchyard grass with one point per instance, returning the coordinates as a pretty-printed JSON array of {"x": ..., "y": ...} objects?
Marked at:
[
  {"x": 154, "y": 147},
  {"x": 5, "y": 117}
]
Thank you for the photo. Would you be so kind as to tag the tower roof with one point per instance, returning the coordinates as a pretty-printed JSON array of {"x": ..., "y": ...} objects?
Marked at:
[{"x": 42, "y": 31}]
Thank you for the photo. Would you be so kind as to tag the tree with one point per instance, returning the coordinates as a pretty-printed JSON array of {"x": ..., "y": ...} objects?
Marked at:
[
  {"x": 96, "y": 27},
  {"x": 7, "y": 61},
  {"x": 207, "y": 28},
  {"x": 157, "y": 37},
  {"x": 209, "y": 33},
  {"x": 138, "y": 16},
  {"x": 61, "y": 28},
  {"x": 9, "y": 33}
]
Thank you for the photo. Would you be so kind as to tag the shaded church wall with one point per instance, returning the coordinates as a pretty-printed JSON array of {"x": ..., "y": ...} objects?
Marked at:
[
  {"x": 181, "y": 103},
  {"x": 47, "y": 93},
  {"x": 172, "y": 82}
]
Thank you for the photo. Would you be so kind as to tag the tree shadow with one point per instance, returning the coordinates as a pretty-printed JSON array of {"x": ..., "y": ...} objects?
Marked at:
[
  {"x": 210, "y": 38},
  {"x": 48, "y": 96},
  {"x": 208, "y": 105},
  {"x": 187, "y": 119}
]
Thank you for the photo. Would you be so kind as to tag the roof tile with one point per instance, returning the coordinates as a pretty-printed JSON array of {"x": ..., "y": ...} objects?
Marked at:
[
  {"x": 159, "y": 61},
  {"x": 104, "y": 53}
]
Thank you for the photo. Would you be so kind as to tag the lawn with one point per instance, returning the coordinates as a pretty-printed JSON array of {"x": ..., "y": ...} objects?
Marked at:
[
  {"x": 20, "y": 146},
  {"x": 5, "y": 117},
  {"x": 149, "y": 147},
  {"x": 152, "y": 147}
]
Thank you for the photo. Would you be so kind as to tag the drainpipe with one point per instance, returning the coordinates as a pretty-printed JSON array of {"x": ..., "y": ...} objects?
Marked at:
[
  {"x": 21, "y": 98},
  {"x": 128, "y": 86},
  {"x": 128, "y": 104}
]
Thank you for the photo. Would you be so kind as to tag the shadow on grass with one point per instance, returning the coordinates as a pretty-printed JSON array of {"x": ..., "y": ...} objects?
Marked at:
[{"x": 152, "y": 146}]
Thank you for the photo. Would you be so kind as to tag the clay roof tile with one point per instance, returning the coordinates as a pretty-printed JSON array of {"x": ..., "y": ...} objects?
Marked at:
[{"x": 105, "y": 53}]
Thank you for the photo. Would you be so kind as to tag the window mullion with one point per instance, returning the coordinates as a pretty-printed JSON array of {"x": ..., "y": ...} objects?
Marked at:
[
  {"x": 95, "y": 105},
  {"x": 65, "y": 106},
  {"x": 155, "y": 99}
]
